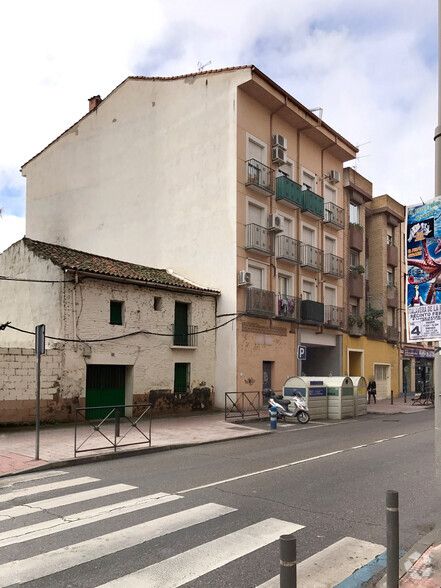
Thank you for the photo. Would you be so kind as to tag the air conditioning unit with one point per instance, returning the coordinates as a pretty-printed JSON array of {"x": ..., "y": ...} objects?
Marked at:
[
  {"x": 276, "y": 222},
  {"x": 278, "y": 155},
  {"x": 334, "y": 176},
  {"x": 279, "y": 141},
  {"x": 244, "y": 278}
]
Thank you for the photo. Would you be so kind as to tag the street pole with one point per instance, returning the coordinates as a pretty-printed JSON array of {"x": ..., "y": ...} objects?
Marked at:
[
  {"x": 37, "y": 412},
  {"x": 437, "y": 358}
]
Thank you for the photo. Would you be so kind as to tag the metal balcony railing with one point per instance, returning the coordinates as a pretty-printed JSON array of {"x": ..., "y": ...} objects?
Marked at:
[
  {"x": 259, "y": 177},
  {"x": 288, "y": 249},
  {"x": 334, "y": 316},
  {"x": 185, "y": 338},
  {"x": 333, "y": 266},
  {"x": 334, "y": 215},
  {"x": 258, "y": 239},
  {"x": 260, "y": 302},
  {"x": 288, "y": 308},
  {"x": 312, "y": 257},
  {"x": 392, "y": 334},
  {"x": 312, "y": 312}
]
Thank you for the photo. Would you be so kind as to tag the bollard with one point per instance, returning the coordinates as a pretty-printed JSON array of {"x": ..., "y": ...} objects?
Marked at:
[
  {"x": 273, "y": 417},
  {"x": 391, "y": 396},
  {"x": 288, "y": 563},
  {"x": 392, "y": 538}
]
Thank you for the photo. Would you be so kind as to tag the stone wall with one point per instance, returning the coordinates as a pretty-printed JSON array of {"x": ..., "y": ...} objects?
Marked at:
[{"x": 18, "y": 386}]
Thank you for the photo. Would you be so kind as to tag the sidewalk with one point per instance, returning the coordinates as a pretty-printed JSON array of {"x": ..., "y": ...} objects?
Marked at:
[{"x": 421, "y": 566}]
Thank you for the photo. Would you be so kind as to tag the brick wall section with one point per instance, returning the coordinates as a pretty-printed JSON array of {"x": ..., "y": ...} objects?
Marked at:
[{"x": 18, "y": 385}]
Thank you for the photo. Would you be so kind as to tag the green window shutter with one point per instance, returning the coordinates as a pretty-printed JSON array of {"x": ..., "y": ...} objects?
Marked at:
[
  {"x": 181, "y": 324},
  {"x": 115, "y": 312},
  {"x": 181, "y": 373}
]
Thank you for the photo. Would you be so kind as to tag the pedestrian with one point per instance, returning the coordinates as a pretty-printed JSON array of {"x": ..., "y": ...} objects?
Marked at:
[{"x": 372, "y": 391}]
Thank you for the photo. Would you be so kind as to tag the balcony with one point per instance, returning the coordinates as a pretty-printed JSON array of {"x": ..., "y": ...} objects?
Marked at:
[
  {"x": 355, "y": 237},
  {"x": 356, "y": 288},
  {"x": 392, "y": 255},
  {"x": 185, "y": 337},
  {"x": 313, "y": 205},
  {"x": 311, "y": 257},
  {"x": 375, "y": 334},
  {"x": 258, "y": 239},
  {"x": 260, "y": 302},
  {"x": 355, "y": 325},
  {"x": 392, "y": 295},
  {"x": 333, "y": 266},
  {"x": 334, "y": 216},
  {"x": 288, "y": 249},
  {"x": 288, "y": 308},
  {"x": 392, "y": 334},
  {"x": 334, "y": 316},
  {"x": 312, "y": 312},
  {"x": 290, "y": 192},
  {"x": 259, "y": 177}
]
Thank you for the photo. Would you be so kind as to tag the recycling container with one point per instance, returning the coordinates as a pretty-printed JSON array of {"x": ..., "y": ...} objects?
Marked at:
[
  {"x": 340, "y": 397},
  {"x": 312, "y": 390},
  {"x": 360, "y": 395}
]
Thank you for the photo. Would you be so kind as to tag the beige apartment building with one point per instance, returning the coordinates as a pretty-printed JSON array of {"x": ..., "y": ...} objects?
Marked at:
[{"x": 225, "y": 177}]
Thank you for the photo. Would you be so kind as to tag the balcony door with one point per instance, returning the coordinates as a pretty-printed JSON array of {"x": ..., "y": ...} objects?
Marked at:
[
  {"x": 255, "y": 215},
  {"x": 257, "y": 276}
]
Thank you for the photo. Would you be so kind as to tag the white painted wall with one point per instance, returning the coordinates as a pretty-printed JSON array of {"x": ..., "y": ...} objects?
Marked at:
[
  {"x": 145, "y": 178},
  {"x": 28, "y": 304}
]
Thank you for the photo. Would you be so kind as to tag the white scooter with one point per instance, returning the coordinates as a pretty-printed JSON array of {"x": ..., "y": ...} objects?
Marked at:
[{"x": 297, "y": 405}]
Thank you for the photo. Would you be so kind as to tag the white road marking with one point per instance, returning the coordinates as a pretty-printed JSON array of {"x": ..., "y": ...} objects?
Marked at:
[
  {"x": 32, "y": 507},
  {"x": 192, "y": 564},
  {"x": 46, "y": 488},
  {"x": 13, "y": 480},
  {"x": 39, "y": 566},
  {"x": 333, "y": 564},
  {"x": 83, "y": 518},
  {"x": 285, "y": 465}
]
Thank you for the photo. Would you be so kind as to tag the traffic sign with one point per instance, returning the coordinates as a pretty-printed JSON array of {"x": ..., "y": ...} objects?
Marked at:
[{"x": 301, "y": 352}]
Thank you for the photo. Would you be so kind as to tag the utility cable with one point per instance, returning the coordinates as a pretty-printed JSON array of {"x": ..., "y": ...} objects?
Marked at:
[{"x": 141, "y": 332}]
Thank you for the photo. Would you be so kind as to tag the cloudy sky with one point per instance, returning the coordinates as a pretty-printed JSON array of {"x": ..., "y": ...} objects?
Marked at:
[{"x": 371, "y": 65}]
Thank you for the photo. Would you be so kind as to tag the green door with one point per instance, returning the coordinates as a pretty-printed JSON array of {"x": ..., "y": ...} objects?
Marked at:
[
  {"x": 105, "y": 386},
  {"x": 181, "y": 324}
]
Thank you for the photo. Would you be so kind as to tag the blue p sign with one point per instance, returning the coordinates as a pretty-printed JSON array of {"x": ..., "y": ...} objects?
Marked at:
[{"x": 301, "y": 352}]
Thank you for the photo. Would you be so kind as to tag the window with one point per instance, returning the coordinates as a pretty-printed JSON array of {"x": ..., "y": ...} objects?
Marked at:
[
  {"x": 287, "y": 170},
  {"x": 390, "y": 235},
  {"x": 354, "y": 258},
  {"x": 182, "y": 378},
  {"x": 157, "y": 303},
  {"x": 390, "y": 317},
  {"x": 354, "y": 213},
  {"x": 257, "y": 276},
  {"x": 256, "y": 149},
  {"x": 353, "y": 306},
  {"x": 308, "y": 236},
  {"x": 308, "y": 290},
  {"x": 288, "y": 227},
  {"x": 330, "y": 194},
  {"x": 116, "y": 312},
  {"x": 308, "y": 180},
  {"x": 330, "y": 296},
  {"x": 390, "y": 276},
  {"x": 284, "y": 285},
  {"x": 255, "y": 214},
  {"x": 330, "y": 245}
]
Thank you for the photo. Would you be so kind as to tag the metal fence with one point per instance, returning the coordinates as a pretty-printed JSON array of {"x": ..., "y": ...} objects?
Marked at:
[
  {"x": 115, "y": 427},
  {"x": 244, "y": 405}
]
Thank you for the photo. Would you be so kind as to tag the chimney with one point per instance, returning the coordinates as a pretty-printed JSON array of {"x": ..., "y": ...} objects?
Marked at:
[{"x": 93, "y": 102}]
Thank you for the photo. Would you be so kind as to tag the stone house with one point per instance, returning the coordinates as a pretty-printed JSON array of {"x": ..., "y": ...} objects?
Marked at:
[{"x": 116, "y": 333}]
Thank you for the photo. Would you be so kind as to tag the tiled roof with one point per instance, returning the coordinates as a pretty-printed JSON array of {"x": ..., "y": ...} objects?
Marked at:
[
  {"x": 71, "y": 259},
  {"x": 191, "y": 75}
]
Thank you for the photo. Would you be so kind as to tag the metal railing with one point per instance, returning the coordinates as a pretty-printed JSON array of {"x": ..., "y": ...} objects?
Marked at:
[
  {"x": 259, "y": 176},
  {"x": 288, "y": 308},
  {"x": 242, "y": 404},
  {"x": 260, "y": 302},
  {"x": 258, "y": 239},
  {"x": 185, "y": 339},
  {"x": 288, "y": 249},
  {"x": 115, "y": 432},
  {"x": 312, "y": 257}
]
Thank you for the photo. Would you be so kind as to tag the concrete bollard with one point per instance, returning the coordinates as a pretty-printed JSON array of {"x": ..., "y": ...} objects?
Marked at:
[
  {"x": 288, "y": 561},
  {"x": 273, "y": 417},
  {"x": 392, "y": 530}
]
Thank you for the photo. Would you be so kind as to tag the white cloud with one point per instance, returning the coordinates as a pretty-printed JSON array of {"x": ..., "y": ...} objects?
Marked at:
[
  {"x": 12, "y": 229},
  {"x": 372, "y": 66}
]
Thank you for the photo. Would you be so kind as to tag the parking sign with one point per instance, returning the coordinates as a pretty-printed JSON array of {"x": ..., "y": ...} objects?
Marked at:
[{"x": 301, "y": 352}]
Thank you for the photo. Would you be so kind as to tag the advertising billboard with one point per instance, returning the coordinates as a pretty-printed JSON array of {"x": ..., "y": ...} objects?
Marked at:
[{"x": 423, "y": 261}]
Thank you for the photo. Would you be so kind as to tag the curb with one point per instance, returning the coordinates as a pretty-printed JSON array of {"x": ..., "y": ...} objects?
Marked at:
[{"x": 93, "y": 458}]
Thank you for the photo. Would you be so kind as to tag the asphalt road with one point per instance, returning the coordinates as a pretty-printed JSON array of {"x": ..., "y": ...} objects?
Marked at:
[{"x": 329, "y": 478}]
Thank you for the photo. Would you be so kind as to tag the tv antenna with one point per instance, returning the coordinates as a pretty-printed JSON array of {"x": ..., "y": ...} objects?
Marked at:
[{"x": 202, "y": 67}]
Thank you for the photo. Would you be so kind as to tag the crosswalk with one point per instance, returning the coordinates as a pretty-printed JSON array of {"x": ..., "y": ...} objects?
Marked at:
[{"x": 42, "y": 563}]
